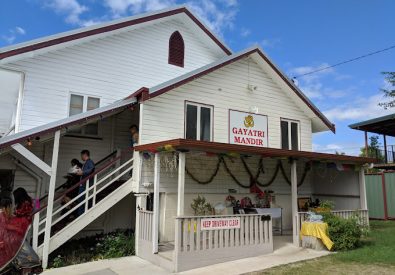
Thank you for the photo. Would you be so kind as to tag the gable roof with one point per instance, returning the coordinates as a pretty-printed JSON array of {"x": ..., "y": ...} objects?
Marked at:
[
  {"x": 147, "y": 93},
  {"x": 108, "y": 27}
]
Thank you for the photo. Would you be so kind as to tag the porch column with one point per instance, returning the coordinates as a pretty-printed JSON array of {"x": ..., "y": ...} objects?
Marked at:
[
  {"x": 155, "y": 222},
  {"x": 51, "y": 196},
  {"x": 181, "y": 184},
  {"x": 362, "y": 189},
  {"x": 294, "y": 200}
]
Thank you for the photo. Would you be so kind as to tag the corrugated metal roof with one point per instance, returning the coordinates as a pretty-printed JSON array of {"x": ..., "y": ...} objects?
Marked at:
[
  {"x": 384, "y": 125},
  {"x": 66, "y": 122}
]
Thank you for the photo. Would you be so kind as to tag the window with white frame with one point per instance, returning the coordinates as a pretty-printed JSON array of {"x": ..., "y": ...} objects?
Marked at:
[
  {"x": 80, "y": 104},
  {"x": 198, "y": 121},
  {"x": 289, "y": 134}
]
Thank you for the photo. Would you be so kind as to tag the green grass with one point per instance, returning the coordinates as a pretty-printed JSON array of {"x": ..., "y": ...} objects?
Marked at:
[
  {"x": 375, "y": 256},
  {"x": 377, "y": 248}
]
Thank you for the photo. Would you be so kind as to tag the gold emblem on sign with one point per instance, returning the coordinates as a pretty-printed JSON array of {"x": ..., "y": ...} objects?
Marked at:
[{"x": 249, "y": 121}]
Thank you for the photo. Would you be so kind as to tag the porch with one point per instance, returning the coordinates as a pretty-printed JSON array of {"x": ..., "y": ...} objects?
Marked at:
[{"x": 169, "y": 235}]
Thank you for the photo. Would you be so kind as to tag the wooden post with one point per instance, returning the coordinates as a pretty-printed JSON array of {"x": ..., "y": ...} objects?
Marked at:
[
  {"x": 155, "y": 222},
  {"x": 181, "y": 184},
  {"x": 137, "y": 172},
  {"x": 366, "y": 144},
  {"x": 362, "y": 189},
  {"x": 294, "y": 199},
  {"x": 385, "y": 149},
  {"x": 51, "y": 196},
  {"x": 36, "y": 221}
]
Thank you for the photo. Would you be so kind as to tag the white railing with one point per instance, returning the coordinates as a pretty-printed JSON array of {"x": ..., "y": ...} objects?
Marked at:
[
  {"x": 196, "y": 247},
  {"x": 86, "y": 200},
  {"x": 362, "y": 216},
  {"x": 145, "y": 225}
]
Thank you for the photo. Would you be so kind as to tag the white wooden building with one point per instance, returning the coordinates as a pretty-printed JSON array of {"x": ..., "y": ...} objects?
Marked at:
[{"x": 210, "y": 122}]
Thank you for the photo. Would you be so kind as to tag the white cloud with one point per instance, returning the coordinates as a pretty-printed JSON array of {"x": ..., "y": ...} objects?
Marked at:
[
  {"x": 245, "y": 32},
  {"x": 20, "y": 30},
  {"x": 12, "y": 34},
  {"x": 361, "y": 108},
  {"x": 215, "y": 16},
  {"x": 352, "y": 149},
  {"x": 313, "y": 84},
  {"x": 125, "y": 7},
  {"x": 270, "y": 42},
  {"x": 72, "y": 9}
]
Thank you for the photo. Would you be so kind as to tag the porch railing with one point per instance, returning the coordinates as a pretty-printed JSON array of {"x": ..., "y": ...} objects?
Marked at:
[
  {"x": 145, "y": 225},
  {"x": 362, "y": 216},
  {"x": 196, "y": 247},
  {"x": 104, "y": 178}
]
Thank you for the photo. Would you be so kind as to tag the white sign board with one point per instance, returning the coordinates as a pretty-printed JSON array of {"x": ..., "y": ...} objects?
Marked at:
[
  {"x": 219, "y": 223},
  {"x": 247, "y": 129}
]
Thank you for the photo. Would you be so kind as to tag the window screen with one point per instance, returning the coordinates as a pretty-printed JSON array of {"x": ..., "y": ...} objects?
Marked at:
[
  {"x": 284, "y": 135},
  {"x": 76, "y": 105},
  {"x": 294, "y": 136},
  {"x": 205, "y": 124},
  {"x": 191, "y": 122}
]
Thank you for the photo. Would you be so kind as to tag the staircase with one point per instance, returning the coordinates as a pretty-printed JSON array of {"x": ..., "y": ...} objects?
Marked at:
[{"x": 103, "y": 189}]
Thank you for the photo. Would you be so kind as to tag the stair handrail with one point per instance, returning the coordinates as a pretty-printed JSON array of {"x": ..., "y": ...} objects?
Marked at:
[
  {"x": 96, "y": 164},
  {"x": 84, "y": 180}
]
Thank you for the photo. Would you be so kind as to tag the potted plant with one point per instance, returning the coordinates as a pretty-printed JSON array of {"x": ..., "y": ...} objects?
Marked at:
[{"x": 201, "y": 207}]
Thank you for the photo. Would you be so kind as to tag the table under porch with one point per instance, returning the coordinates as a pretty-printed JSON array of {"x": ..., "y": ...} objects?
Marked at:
[{"x": 195, "y": 246}]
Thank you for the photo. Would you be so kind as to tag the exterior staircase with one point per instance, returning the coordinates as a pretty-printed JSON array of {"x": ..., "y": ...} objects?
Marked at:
[{"x": 103, "y": 189}]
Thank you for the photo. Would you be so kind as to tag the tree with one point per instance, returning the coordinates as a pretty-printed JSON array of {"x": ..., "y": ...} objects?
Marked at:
[
  {"x": 373, "y": 149},
  {"x": 389, "y": 92}
]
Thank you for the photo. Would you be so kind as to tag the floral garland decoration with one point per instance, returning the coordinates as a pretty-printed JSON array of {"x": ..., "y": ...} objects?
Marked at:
[
  {"x": 211, "y": 178},
  {"x": 307, "y": 168}
]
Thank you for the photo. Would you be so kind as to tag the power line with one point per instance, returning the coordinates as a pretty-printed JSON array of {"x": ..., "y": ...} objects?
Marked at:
[{"x": 346, "y": 61}]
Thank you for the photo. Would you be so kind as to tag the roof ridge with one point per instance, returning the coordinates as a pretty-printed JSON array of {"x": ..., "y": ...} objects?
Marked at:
[{"x": 109, "y": 26}]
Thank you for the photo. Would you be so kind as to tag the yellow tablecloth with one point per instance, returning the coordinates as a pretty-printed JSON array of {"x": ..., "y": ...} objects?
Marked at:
[{"x": 318, "y": 230}]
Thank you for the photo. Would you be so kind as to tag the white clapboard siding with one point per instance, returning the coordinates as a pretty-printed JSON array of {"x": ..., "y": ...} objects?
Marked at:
[
  {"x": 111, "y": 68},
  {"x": 226, "y": 89}
]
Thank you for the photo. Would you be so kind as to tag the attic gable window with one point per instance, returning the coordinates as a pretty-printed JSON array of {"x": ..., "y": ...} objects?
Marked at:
[{"x": 176, "y": 49}]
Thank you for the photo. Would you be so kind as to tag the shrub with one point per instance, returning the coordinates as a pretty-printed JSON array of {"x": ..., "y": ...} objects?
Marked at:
[
  {"x": 116, "y": 245},
  {"x": 345, "y": 233}
]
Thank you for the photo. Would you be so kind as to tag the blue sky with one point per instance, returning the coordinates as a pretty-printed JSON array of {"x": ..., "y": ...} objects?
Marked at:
[{"x": 299, "y": 36}]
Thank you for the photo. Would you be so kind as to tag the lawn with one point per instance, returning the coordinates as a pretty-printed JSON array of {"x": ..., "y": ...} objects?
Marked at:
[{"x": 375, "y": 256}]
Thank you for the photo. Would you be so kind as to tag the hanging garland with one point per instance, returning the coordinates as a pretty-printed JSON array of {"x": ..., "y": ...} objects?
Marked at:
[
  {"x": 307, "y": 168},
  {"x": 260, "y": 170},
  {"x": 279, "y": 167},
  {"x": 211, "y": 177},
  {"x": 233, "y": 176}
]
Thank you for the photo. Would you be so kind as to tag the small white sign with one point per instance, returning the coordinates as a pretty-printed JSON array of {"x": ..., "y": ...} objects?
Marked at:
[
  {"x": 220, "y": 223},
  {"x": 247, "y": 129}
]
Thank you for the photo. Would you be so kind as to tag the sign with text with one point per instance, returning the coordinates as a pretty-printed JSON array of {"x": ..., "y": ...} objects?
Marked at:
[
  {"x": 247, "y": 129},
  {"x": 220, "y": 223}
]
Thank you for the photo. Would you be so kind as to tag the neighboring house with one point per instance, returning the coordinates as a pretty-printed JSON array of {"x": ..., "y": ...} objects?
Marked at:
[{"x": 210, "y": 122}]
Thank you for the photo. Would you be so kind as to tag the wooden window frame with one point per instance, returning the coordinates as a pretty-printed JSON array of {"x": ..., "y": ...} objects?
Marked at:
[
  {"x": 199, "y": 105},
  {"x": 85, "y": 109},
  {"x": 288, "y": 120}
]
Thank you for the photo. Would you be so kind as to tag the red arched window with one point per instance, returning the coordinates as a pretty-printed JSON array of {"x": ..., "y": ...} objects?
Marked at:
[{"x": 176, "y": 49}]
